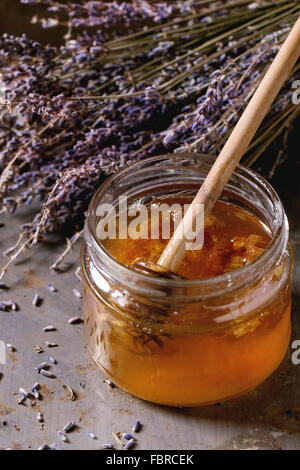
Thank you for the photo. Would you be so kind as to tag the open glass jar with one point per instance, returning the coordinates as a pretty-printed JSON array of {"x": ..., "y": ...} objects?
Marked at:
[{"x": 231, "y": 331}]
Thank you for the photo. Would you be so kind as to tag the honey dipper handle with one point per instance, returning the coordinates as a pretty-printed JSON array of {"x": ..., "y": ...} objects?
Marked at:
[{"x": 236, "y": 145}]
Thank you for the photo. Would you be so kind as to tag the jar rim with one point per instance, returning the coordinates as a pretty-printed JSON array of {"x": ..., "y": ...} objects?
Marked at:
[{"x": 277, "y": 244}]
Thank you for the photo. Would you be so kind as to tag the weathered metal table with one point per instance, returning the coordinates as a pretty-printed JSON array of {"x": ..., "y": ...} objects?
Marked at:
[{"x": 267, "y": 418}]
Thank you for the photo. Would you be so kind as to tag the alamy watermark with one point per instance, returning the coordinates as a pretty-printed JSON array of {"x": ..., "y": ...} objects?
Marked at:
[
  {"x": 296, "y": 354},
  {"x": 2, "y": 352},
  {"x": 2, "y": 91},
  {"x": 296, "y": 93},
  {"x": 152, "y": 221}
]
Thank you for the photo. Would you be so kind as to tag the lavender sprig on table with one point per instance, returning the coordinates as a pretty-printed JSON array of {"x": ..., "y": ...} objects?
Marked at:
[{"x": 131, "y": 80}]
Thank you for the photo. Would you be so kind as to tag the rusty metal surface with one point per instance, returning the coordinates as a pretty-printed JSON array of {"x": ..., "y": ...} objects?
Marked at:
[{"x": 266, "y": 418}]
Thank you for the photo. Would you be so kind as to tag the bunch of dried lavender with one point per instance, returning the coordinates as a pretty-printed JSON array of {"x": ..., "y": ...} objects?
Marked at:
[{"x": 142, "y": 78}]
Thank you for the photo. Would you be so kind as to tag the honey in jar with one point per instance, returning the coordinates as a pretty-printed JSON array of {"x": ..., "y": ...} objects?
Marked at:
[{"x": 222, "y": 329}]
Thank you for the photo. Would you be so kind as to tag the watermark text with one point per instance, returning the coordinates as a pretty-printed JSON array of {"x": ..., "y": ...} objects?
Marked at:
[
  {"x": 2, "y": 352},
  {"x": 154, "y": 221}
]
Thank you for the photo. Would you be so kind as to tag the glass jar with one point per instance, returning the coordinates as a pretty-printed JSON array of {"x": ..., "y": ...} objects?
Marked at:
[{"x": 233, "y": 329}]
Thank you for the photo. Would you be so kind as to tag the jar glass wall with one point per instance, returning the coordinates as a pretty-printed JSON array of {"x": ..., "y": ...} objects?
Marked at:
[{"x": 221, "y": 336}]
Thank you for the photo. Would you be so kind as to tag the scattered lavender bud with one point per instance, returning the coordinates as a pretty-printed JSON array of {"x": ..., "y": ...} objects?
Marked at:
[
  {"x": 41, "y": 366},
  {"x": 91, "y": 435},
  {"x": 52, "y": 288},
  {"x": 43, "y": 446},
  {"x": 55, "y": 447},
  {"x": 23, "y": 392},
  {"x": 5, "y": 306},
  {"x": 77, "y": 293},
  {"x": 129, "y": 444},
  {"x": 62, "y": 436},
  {"x": 51, "y": 345},
  {"x": 49, "y": 328},
  {"x": 69, "y": 426},
  {"x": 35, "y": 386},
  {"x": 3, "y": 286},
  {"x": 75, "y": 320},
  {"x": 107, "y": 446},
  {"x": 109, "y": 382},
  {"x": 136, "y": 426},
  {"x": 22, "y": 400},
  {"x": 11, "y": 347},
  {"x": 36, "y": 394},
  {"x": 127, "y": 436},
  {"x": 13, "y": 305},
  {"x": 48, "y": 374},
  {"x": 39, "y": 417},
  {"x": 36, "y": 300},
  {"x": 51, "y": 359}
]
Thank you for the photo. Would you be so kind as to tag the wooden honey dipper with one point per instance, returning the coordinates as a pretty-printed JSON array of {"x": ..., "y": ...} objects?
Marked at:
[{"x": 229, "y": 157}]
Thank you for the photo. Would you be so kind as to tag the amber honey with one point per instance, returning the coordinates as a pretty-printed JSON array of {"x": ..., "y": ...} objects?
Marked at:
[
  {"x": 232, "y": 238},
  {"x": 215, "y": 335}
]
